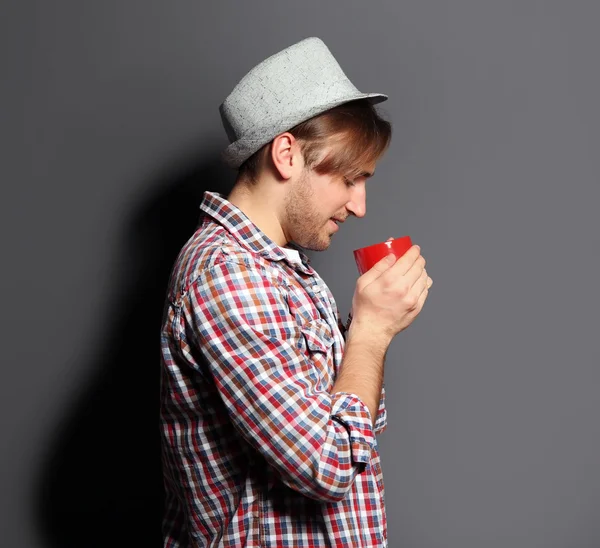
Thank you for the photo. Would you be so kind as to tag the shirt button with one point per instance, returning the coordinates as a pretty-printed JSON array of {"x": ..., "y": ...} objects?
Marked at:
[{"x": 316, "y": 288}]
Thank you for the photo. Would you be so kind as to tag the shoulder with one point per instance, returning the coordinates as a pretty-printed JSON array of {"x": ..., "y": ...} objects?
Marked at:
[{"x": 213, "y": 258}]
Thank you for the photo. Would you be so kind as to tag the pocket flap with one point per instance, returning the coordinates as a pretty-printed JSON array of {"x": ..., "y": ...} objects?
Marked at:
[{"x": 318, "y": 335}]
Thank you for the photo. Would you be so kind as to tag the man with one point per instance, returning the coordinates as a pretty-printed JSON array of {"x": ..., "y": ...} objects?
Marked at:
[{"x": 270, "y": 407}]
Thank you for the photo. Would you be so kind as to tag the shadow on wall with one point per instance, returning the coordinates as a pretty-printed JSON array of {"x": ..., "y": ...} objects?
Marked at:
[{"x": 102, "y": 482}]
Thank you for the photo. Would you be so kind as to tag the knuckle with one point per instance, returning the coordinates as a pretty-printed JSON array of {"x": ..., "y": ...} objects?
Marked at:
[
  {"x": 412, "y": 301},
  {"x": 403, "y": 289}
]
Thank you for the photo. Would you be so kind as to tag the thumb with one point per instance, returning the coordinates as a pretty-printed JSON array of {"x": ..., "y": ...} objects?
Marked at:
[{"x": 378, "y": 269}]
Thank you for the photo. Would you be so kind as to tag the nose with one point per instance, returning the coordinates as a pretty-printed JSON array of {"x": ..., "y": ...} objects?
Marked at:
[{"x": 357, "y": 205}]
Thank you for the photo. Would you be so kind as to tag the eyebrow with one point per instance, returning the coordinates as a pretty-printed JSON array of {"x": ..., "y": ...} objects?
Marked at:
[{"x": 367, "y": 174}]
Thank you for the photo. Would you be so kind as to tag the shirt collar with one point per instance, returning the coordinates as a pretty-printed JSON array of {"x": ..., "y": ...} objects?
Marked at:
[{"x": 236, "y": 222}]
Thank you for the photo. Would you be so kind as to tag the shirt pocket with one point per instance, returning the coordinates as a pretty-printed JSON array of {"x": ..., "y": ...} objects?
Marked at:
[
  {"x": 318, "y": 336},
  {"x": 317, "y": 342}
]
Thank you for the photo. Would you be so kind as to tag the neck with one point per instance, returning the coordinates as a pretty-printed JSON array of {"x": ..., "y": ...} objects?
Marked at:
[{"x": 260, "y": 203}]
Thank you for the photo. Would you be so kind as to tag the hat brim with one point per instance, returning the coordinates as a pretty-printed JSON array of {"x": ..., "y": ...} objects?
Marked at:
[{"x": 239, "y": 151}]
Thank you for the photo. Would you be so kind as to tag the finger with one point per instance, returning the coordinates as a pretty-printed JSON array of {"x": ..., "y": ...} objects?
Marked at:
[
  {"x": 414, "y": 275},
  {"x": 378, "y": 269},
  {"x": 421, "y": 300},
  {"x": 421, "y": 283},
  {"x": 425, "y": 280},
  {"x": 424, "y": 293},
  {"x": 406, "y": 262}
]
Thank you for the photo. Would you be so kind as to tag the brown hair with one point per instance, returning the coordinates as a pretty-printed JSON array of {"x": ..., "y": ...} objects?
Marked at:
[{"x": 356, "y": 132}]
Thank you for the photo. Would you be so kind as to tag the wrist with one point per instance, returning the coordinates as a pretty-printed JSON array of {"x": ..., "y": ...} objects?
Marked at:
[{"x": 369, "y": 336}]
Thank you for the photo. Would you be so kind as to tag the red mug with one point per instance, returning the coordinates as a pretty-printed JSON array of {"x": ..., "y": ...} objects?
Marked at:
[{"x": 366, "y": 257}]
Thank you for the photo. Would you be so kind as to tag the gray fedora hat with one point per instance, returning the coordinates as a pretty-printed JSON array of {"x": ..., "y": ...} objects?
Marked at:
[{"x": 284, "y": 90}]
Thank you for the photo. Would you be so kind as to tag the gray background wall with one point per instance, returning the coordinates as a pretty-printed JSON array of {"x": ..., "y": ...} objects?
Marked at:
[{"x": 110, "y": 133}]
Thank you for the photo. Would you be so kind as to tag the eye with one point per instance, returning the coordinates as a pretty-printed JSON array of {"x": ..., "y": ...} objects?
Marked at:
[{"x": 348, "y": 182}]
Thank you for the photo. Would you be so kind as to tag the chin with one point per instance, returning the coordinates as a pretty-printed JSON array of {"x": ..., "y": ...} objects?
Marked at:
[
  {"x": 316, "y": 241},
  {"x": 318, "y": 245}
]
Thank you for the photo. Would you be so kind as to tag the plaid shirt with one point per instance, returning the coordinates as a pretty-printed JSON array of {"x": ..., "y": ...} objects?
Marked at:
[{"x": 257, "y": 450}]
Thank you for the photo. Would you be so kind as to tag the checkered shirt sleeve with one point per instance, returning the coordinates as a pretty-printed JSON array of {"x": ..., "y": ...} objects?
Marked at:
[{"x": 318, "y": 442}]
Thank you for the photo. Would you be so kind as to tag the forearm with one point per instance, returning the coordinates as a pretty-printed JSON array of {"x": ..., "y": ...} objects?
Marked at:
[{"x": 362, "y": 367}]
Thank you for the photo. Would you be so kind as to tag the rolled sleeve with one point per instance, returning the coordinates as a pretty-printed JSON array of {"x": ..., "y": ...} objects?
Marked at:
[
  {"x": 317, "y": 442},
  {"x": 349, "y": 410},
  {"x": 381, "y": 420}
]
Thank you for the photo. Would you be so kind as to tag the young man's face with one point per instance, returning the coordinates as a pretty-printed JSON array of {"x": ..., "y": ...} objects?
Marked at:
[{"x": 314, "y": 201}]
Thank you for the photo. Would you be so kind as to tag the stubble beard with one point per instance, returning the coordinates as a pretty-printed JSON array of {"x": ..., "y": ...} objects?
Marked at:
[{"x": 307, "y": 227}]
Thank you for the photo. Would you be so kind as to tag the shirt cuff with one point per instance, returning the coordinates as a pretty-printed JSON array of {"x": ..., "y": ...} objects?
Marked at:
[
  {"x": 381, "y": 422},
  {"x": 349, "y": 410}
]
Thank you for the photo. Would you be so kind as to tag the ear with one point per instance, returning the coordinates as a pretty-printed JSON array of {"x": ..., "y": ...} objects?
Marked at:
[{"x": 286, "y": 155}]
